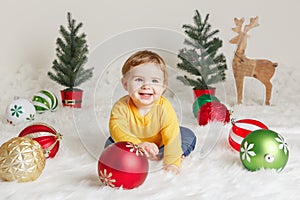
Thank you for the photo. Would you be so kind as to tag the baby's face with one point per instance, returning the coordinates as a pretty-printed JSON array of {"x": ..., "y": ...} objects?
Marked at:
[{"x": 145, "y": 84}]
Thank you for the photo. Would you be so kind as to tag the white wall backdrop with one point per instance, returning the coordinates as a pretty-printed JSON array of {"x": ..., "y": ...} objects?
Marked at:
[{"x": 29, "y": 28}]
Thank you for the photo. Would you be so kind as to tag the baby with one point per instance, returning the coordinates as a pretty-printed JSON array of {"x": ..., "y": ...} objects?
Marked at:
[{"x": 145, "y": 117}]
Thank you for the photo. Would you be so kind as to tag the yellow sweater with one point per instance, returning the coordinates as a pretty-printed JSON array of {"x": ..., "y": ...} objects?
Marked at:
[{"x": 160, "y": 126}]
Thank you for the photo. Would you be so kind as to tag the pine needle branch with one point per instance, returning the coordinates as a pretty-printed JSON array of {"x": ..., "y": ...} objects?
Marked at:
[{"x": 201, "y": 59}]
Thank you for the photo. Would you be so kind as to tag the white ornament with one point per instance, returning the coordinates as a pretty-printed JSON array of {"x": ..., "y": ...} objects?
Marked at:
[{"x": 20, "y": 110}]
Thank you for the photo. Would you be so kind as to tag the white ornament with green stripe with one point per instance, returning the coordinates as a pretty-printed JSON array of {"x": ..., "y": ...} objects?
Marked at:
[{"x": 44, "y": 100}]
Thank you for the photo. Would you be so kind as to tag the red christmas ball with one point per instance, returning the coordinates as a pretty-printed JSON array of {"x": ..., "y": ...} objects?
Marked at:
[
  {"x": 213, "y": 111},
  {"x": 240, "y": 129},
  {"x": 123, "y": 164},
  {"x": 45, "y": 135}
]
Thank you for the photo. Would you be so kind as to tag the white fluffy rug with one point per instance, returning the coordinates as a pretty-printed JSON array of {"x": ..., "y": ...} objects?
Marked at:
[{"x": 213, "y": 171}]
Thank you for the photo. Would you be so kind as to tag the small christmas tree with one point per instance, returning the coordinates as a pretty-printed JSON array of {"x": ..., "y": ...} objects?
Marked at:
[
  {"x": 71, "y": 52},
  {"x": 201, "y": 60}
]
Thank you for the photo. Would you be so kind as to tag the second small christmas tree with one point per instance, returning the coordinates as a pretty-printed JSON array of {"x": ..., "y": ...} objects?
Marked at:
[{"x": 201, "y": 59}]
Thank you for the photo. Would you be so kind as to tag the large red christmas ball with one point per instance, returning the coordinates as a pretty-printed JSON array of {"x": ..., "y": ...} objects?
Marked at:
[
  {"x": 213, "y": 111},
  {"x": 45, "y": 135},
  {"x": 123, "y": 164}
]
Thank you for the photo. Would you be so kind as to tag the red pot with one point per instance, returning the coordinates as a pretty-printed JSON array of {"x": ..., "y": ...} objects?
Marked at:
[
  {"x": 71, "y": 98},
  {"x": 198, "y": 93}
]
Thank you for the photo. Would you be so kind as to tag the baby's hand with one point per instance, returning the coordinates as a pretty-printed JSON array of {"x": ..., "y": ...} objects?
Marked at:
[
  {"x": 150, "y": 149},
  {"x": 172, "y": 168}
]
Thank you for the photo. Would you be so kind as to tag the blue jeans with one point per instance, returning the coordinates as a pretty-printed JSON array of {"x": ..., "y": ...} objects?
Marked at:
[{"x": 188, "y": 142}]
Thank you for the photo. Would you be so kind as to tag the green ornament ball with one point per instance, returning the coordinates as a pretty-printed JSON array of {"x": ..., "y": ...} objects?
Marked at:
[
  {"x": 264, "y": 149},
  {"x": 201, "y": 100},
  {"x": 44, "y": 100}
]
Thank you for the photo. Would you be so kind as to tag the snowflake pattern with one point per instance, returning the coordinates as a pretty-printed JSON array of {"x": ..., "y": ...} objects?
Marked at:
[
  {"x": 282, "y": 144},
  {"x": 106, "y": 179},
  {"x": 135, "y": 148},
  {"x": 246, "y": 151},
  {"x": 16, "y": 110},
  {"x": 30, "y": 118}
]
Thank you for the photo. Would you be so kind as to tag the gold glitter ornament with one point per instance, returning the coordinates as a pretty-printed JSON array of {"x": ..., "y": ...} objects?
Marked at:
[{"x": 21, "y": 159}]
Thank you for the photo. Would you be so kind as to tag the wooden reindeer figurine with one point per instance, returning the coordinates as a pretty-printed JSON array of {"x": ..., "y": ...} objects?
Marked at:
[{"x": 261, "y": 69}]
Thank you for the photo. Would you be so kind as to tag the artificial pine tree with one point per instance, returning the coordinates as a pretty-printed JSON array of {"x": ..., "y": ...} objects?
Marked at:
[
  {"x": 201, "y": 60},
  {"x": 71, "y": 52}
]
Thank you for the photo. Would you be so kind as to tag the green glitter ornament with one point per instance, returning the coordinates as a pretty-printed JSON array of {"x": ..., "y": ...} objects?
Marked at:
[{"x": 264, "y": 149}]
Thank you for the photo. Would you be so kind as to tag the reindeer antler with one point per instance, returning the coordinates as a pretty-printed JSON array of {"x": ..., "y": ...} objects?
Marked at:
[
  {"x": 237, "y": 29},
  {"x": 253, "y": 23},
  {"x": 238, "y": 23}
]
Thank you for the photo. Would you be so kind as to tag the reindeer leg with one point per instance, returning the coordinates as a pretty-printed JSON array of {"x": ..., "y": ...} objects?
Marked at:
[
  {"x": 239, "y": 83},
  {"x": 268, "y": 86}
]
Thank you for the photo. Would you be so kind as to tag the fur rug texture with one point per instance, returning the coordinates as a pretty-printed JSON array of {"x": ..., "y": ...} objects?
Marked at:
[{"x": 212, "y": 171}]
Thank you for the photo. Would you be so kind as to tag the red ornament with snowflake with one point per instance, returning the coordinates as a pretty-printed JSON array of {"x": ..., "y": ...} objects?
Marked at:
[
  {"x": 213, "y": 111},
  {"x": 45, "y": 135},
  {"x": 123, "y": 164}
]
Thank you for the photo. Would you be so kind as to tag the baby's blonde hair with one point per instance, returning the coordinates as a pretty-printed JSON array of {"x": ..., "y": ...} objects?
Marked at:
[{"x": 142, "y": 57}]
